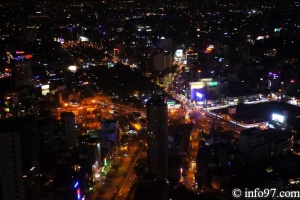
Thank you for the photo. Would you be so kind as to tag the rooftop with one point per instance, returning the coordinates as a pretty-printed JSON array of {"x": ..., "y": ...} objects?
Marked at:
[{"x": 262, "y": 112}]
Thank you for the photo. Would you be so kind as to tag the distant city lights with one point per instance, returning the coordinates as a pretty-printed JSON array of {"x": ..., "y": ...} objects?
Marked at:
[{"x": 72, "y": 68}]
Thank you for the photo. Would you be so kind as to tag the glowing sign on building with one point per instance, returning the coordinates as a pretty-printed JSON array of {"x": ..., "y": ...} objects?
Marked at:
[
  {"x": 72, "y": 68},
  {"x": 45, "y": 89},
  {"x": 83, "y": 39},
  {"x": 277, "y": 30},
  {"x": 195, "y": 85},
  {"x": 277, "y": 117},
  {"x": 198, "y": 94},
  {"x": 28, "y": 56},
  {"x": 60, "y": 40},
  {"x": 170, "y": 102},
  {"x": 20, "y": 57},
  {"x": 19, "y": 52},
  {"x": 213, "y": 84},
  {"x": 209, "y": 48},
  {"x": 179, "y": 53},
  {"x": 197, "y": 91}
]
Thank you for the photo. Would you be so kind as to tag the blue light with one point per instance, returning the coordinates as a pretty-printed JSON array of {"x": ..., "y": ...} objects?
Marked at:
[{"x": 76, "y": 184}]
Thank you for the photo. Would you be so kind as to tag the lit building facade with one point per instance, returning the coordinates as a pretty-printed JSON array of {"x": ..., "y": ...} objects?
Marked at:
[{"x": 22, "y": 71}]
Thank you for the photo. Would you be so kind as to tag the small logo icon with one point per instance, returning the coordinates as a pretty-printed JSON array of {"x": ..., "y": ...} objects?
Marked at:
[{"x": 236, "y": 192}]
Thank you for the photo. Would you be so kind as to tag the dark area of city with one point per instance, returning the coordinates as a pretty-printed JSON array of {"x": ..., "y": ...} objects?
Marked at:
[{"x": 149, "y": 99}]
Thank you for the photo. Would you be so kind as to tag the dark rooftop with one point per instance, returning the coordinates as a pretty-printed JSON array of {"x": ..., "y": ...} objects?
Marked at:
[{"x": 262, "y": 112}]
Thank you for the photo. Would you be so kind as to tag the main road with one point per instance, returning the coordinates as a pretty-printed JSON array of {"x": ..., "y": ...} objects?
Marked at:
[
  {"x": 131, "y": 176},
  {"x": 110, "y": 185}
]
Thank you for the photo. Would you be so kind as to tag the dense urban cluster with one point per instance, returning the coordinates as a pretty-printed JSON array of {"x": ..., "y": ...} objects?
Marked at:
[{"x": 137, "y": 99}]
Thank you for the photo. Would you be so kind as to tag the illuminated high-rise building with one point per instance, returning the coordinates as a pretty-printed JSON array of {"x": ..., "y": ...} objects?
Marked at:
[
  {"x": 157, "y": 115},
  {"x": 22, "y": 71}
]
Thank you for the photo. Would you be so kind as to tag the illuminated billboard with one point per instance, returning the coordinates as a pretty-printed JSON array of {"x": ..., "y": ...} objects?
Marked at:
[
  {"x": 60, "y": 40},
  {"x": 213, "y": 84},
  {"x": 171, "y": 103},
  {"x": 209, "y": 49},
  {"x": 277, "y": 117},
  {"x": 20, "y": 52},
  {"x": 22, "y": 57},
  {"x": 72, "y": 68},
  {"x": 83, "y": 39},
  {"x": 197, "y": 85},
  {"x": 45, "y": 89},
  {"x": 197, "y": 94},
  {"x": 197, "y": 91},
  {"x": 179, "y": 53},
  {"x": 277, "y": 30}
]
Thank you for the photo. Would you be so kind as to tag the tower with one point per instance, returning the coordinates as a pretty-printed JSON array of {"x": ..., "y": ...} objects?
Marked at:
[
  {"x": 159, "y": 60},
  {"x": 22, "y": 70},
  {"x": 157, "y": 115},
  {"x": 68, "y": 128},
  {"x": 11, "y": 181},
  {"x": 20, "y": 155}
]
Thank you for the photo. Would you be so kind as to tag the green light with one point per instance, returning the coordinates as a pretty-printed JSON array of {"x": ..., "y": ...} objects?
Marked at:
[{"x": 212, "y": 83}]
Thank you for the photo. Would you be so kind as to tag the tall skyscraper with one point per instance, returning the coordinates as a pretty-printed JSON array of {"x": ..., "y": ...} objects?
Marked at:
[
  {"x": 159, "y": 60},
  {"x": 20, "y": 158},
  {"x": 22, "y": 70},
  {"x": 90, "y": 151},
  {"x": 68, "y": 129},
  {"x": 11, "y": 181},
  {"x": 157, "y": 115}
]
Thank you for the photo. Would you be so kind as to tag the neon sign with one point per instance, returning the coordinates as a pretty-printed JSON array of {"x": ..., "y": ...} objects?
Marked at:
[{"x": 28, "y": 56}]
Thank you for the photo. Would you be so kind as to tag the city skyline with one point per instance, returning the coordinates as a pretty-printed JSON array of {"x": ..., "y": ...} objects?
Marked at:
[{"x": 149, "y": 99}]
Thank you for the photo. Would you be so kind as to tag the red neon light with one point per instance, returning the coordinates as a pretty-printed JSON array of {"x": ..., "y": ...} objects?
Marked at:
[
  {"x": 28, "y": 56},
  {"x": 78, "y": 193}
]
